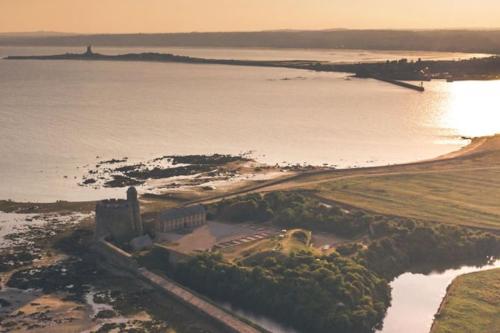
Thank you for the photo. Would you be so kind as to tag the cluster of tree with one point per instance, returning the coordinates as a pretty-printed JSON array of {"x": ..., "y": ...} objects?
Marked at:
[
  {"x": 313, "y": 294},
  {"x": 399, "y": 246},
  {"x": 294, "y": 210},
  {"x": 420, "y": 70},
  {"x": 251, "y": 207},
  {"x": 346, "y": 291}
]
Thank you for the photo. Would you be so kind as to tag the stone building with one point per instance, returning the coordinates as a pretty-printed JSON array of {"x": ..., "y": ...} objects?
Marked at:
[
  {"x": 119, "y": 219},
  {"x": 89, "y": 51},
  {"x": 178, "y": 218}
]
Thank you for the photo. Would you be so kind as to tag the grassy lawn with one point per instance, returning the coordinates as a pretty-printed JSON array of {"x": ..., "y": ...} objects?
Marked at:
[
  {"x": 472, "y": 305},
  {"x": 461, "y": 196}
]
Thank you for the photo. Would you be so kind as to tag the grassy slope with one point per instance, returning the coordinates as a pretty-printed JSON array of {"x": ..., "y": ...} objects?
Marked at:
[
  {"x": 471, "y": 305},
  {"x": 463, "y": 190},
  {"x": 462, "y": 197}
]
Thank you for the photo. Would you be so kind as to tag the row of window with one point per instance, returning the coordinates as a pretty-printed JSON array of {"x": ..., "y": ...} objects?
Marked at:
[{"x": 189, "y": 221}]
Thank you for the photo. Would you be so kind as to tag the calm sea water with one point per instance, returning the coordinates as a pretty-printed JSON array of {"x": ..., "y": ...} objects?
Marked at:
[{"x": 57, "y": 117}]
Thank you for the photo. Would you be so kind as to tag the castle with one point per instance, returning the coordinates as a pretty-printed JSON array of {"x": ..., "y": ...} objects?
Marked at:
[{"x": 119, "y": 219}]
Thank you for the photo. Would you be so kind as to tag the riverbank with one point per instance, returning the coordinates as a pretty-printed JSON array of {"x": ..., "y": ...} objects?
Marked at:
[{"x": 471, "y": 304}]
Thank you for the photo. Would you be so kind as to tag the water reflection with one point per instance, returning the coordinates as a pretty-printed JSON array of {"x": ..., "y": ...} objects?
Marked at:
[
  {"x": 262, "y": 321},
  {"x": 473, "y": 108},
  {"x": 416, "y": 298}
]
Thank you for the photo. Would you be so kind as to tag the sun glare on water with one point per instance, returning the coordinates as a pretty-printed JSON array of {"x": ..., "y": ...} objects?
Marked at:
[{"x": 473, "y": 108}]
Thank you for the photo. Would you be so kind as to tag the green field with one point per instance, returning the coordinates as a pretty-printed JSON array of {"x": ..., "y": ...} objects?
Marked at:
[
  {"x": 461, "y": 188},
  {"x": 471, "y": 305},
  {"x": 458, "y": 197}
]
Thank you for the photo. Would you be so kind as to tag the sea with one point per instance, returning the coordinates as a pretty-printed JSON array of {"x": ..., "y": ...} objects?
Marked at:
[{"x": 59, "y": 118}]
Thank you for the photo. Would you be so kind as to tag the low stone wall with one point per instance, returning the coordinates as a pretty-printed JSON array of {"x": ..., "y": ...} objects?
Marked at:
[
  {"x": 123, "y": 261},
  {"x": 116, "y": 256},
  {"x": 223, "y": 318},
  {"x": 174, "y": 257}
]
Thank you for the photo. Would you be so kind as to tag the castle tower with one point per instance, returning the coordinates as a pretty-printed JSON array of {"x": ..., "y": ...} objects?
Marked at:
[
  {"x": 119, "y": 219},
  {"x": 136, "y": 212}
]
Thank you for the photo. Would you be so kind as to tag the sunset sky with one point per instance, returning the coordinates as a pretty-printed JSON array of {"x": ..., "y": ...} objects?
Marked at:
[{"x": 115, "y": 16}]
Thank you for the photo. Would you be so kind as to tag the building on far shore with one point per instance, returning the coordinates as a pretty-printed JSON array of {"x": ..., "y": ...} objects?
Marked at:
[
  {"x": 89, "y": 51},
  {"x": 179, "y": 218}
]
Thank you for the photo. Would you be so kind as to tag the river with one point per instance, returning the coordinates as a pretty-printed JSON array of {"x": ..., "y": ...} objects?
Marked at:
[{"x": 416, "y": 299}]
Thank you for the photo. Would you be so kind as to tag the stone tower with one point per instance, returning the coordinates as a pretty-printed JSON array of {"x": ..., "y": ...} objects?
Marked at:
[
  {"x": 136, "y": 212},
  {"x": 119, "y": 219}
]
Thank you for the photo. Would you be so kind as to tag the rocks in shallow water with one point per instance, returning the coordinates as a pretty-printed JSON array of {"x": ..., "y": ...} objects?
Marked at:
[
  {"x": 9, "y": 324},
  {"x": 89, "y": 181},
  {"x": 105, "y": 314},
  {"x": 150, "y": 326},
  {"x": 159, "y": 168},
  {"x": 113, "y": 161},
  {"x": 18, "y": 257},
  {"x": 4, "y": 303},
  {"x": 215, "y": 159},
  {"x": 27, "y": 242},
  {"x": 129, "y": 168},
  {"x": 160, "y": 173},
  {"x": 110, "y": 327},
  {"x": 55, "y": 278},
  {"x": 122, "y": 181}
]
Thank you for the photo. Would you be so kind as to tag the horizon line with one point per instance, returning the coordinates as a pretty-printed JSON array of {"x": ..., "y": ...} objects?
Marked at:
[{"x": 246, "y": 31}]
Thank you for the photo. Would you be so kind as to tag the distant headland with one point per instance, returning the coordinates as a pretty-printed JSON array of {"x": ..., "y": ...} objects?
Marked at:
[{"x": 390, "y": 71}]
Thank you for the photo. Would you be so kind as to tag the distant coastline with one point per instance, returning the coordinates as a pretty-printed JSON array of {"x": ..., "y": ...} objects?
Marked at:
[{"x": 390, "y": 71}]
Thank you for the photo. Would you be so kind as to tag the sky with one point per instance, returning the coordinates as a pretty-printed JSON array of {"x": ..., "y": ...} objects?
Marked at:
[{"x": 121, "y": 16}]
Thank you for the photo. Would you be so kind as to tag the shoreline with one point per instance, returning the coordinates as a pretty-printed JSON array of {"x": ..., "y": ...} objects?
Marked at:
[{"x": 477, "y": 145}]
